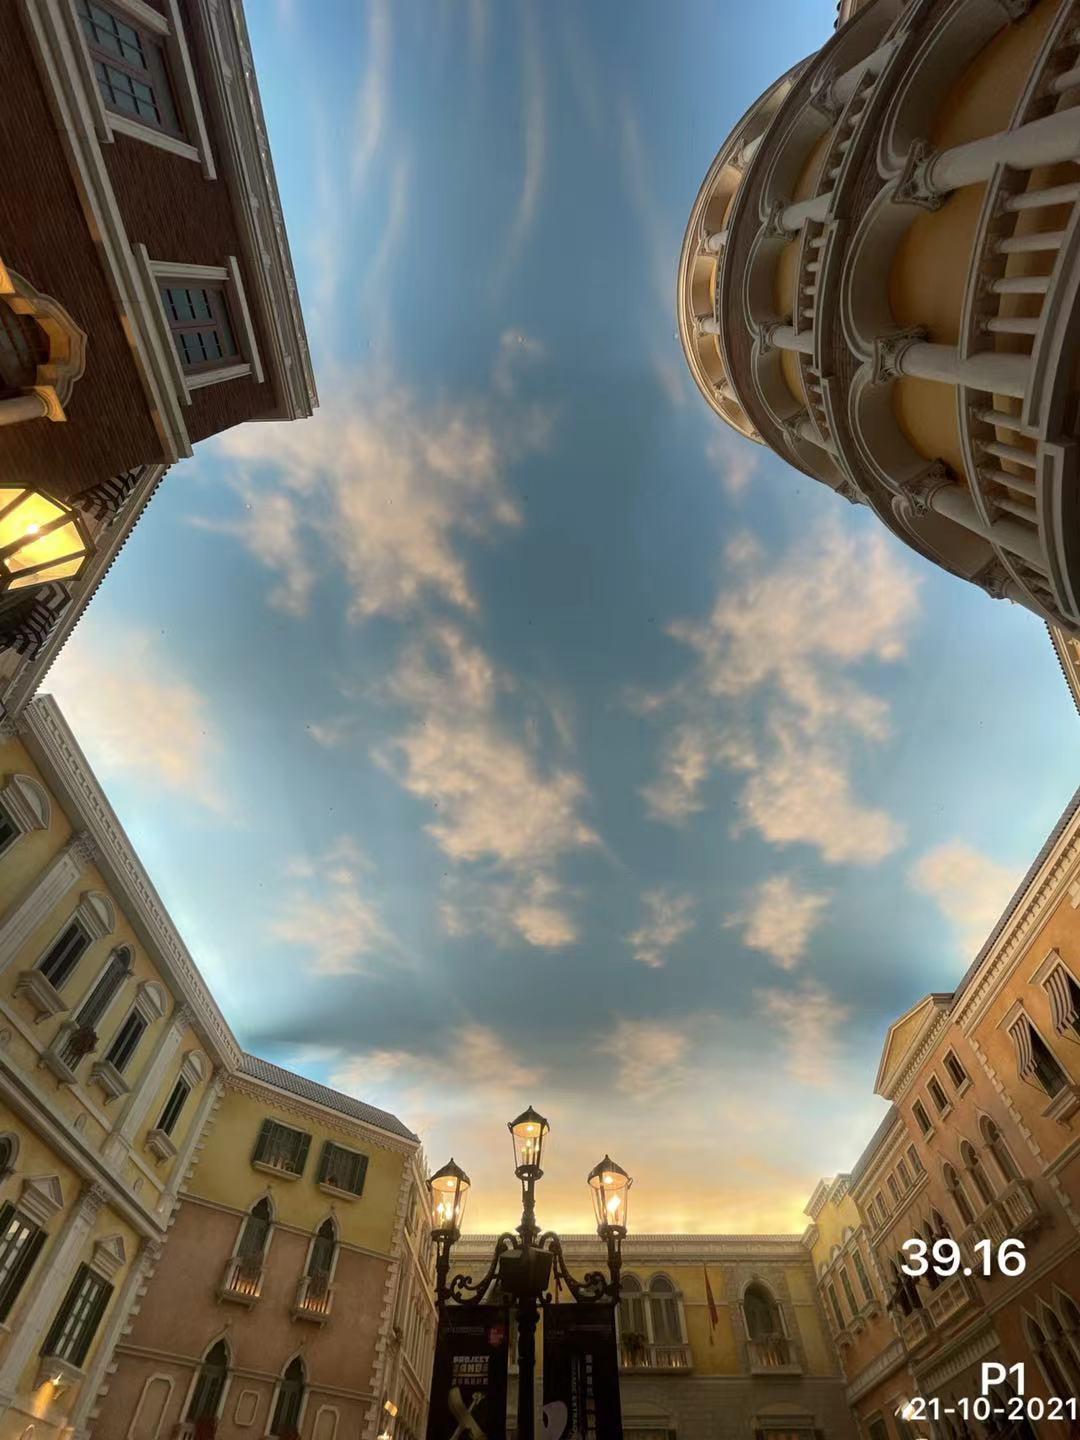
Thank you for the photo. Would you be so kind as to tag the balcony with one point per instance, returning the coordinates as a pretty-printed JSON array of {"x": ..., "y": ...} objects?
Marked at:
[
  {"x": 952, "y": 1297},
  {"x": 1012, "y": 1213},
  {"x": 1019, "y": 1208},
  {"x": 654, "y": 1357},
  {"x": 314, "y": 1298},
  {"x": 242, "y": 1280},
  {"x": 772, "y": 1356}
]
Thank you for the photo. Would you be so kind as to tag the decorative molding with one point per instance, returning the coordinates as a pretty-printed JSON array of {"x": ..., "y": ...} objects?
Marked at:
[
  {"x": 41, "y": 1198},
  {"x": 914, "y": 185},
  {"x": 109, "y": 1256},
  {"x": 889, "y": 351},
  {"x": 56, "y": 377},
  {"x": 329, "y": 1119},
  {"x": 27, "y": 803},
  {"x": 994, "y": 579},
  {"x": 920, "y": 492}
]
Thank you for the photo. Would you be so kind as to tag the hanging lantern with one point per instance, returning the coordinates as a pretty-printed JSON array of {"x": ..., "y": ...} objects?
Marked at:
[{"x": 40, "y": 539}]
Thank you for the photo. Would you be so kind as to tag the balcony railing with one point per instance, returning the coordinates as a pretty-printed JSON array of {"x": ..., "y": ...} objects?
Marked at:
[
  {"x": 1014, "y": 1212},
  {"x": 951, "y": 1298},
  {"x": 773, "y": 1356},
  {"x": 655, "y": 1357},
  {"x": 314, "y": 1297},
  {"x": 242, "y": 1280}
]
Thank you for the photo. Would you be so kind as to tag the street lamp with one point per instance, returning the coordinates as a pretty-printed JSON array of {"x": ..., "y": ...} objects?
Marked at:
[
  {"x": 40, "y": 539},
  {"x": 523, "y": 1262}
]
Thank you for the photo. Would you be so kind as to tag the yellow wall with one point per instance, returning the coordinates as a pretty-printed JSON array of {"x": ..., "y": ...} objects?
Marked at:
[
  {"x": 25, "y": 860},
  {"x": 226, "y": 1176}
]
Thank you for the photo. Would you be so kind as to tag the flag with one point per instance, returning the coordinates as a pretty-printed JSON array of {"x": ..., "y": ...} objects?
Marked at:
[{"x": 714, "y": 1314}]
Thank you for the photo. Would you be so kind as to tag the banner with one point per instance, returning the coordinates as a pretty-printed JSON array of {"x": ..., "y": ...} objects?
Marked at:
[
  {"x": 468, "y": 1386},
  {"x": 581, "y": 1373}
]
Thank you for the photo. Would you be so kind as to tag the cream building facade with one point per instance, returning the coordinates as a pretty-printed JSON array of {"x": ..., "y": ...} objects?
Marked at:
[
  {"x": 130, "y": 1116},
  {"x": 880, "y": 276}
]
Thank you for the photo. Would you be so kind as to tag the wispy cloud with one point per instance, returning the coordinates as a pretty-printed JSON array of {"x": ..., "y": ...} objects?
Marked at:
[
  {"x": 327, "y": 914},
  {"x": 651, "y": 1055},
  {"x": 777, "y": 695},
  {"x": 779, "y": 918},
  {"x": 737, "y": 459},
  {"x": 136, "y": 714},
  {"x": 498, "y": 806},
  {"x": 369, "y": 111},
  {"x": 379, "y": 489},
  {"x": 969, "y": 887},
  {"x": 668, "y": 916},
  {"x": 807, "y": 1020},
  {"x": 534, "y": 162}
]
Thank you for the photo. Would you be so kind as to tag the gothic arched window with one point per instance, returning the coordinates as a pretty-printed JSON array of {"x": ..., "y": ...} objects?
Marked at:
[
  {"x": 290, "y": 1399},
  {"x": 210, "y": 1386}
]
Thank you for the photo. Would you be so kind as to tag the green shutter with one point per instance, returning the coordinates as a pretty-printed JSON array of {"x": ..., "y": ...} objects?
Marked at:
[
  {"x": 324, "y": 1161},
  {"x": 302, "y": 1153},
  {"x": 93, "y": 1320},
  {"x": 10, "y": 1292},
  {"x": 53, "y": 1337},
  {"x": 361, "y": 1173},
  {"x": 262, "y": 1144}
]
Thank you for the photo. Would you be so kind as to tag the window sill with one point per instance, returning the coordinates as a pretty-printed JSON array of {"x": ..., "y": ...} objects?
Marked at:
[
  {"x": 341, "y": 1194},
  {"x": 52, "y": 1060},
  {"x": 41, "y": 994},
  {"x": 1064, "y": 1105},
  {"x": 61, "y": 1374},
  {"x": 160, "y": 1145},
  {"x": 963, "y": 1087},
  {"x": 124, "y": 125},
  {"x": 110, "y": 1080},
  {"x": 218, "y": 376},
  {"x": 276, "y": 1170}
]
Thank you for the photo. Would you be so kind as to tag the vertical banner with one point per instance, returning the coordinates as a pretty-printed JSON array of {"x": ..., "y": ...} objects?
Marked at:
[
  {"x": 468, "y": 1385},
  {"x": 581, "y": 1373}
]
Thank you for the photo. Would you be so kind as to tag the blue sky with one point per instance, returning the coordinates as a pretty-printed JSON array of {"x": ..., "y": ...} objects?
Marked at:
[{"x": 509, "y": 732}]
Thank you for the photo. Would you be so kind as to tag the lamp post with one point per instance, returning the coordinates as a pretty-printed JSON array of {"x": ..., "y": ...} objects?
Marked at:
[{"x": 523, "y": 1261}]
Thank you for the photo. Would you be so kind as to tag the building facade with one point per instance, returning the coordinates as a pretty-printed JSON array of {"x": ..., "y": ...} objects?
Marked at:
[
  {"x": 981, "y": 1143},
  {"x": 766, "y": 1367},
  {"x": 879, "y": 281},
  {"x": 147, "y": 294},
  {"x": 293, "y": 1291}
]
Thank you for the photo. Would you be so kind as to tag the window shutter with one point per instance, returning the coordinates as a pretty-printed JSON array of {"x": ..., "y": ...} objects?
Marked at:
[
  {"x": 302, "y": 1153},
  {"x": 102, "y": 1296},
  {"x": 1021, "y": 1038},
  {"x": 324, "y": 1162},
  {"x": 262, "y": 1144},
  {"x": 1064, "y": 999},
  {"x": 360, "y": 1174},
  {"x": 53, "y": 1337}
]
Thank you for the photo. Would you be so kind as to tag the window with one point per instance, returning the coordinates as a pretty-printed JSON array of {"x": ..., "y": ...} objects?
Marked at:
[
  {"x": 286, "y": 1421},
  {"x": 664, "y": 1308},
  {"x": 173, "y": 1106},
  {"x": 8, "y": 1151},
  {"x": 198, "y": 317},
  {"x": 838, "y": 1314},
  {"x": 77, "y": 1321},
  {"x": 959, "y": 1195},
  {"x": 916, "y": 1163},
  {"x": 65, "y": 954},
  {"x": 9, "y": 831},
  {"x": 126, "y": 1042},
  {"x": 104, "y": 992},
  {"x": 1064, "y": 995},
  {"x": 860, "y": 1271},
  {"x": 937, "y": 1094},
  {"x": 20, "y": 1241},
  {"x": 849, "y": 1294},
  {"x": 279, "y": 1147},
  {"x": 210, "y": 1386},
  {"x": 130, "y": 68},
  {"x": 921, "y": 1117},
  {"x": 973, "y": 1165},
  {"x": 894, "y": 1189},
  {"x": 905, "y": 1174},
  {"x": 957, "y": 1074},
  {"x": 632, "y": 1322},
  {"x": 999, "y": 1151},
  {"x": 762, "y": 1314},
  {"x": 321, "y": 1259},
  {"x": 342, "y": 1169},
  {"x": 883, "y": 1211},
  {"x": 256, "y": 1231},
  {"x": 1035, "y": 1060}
]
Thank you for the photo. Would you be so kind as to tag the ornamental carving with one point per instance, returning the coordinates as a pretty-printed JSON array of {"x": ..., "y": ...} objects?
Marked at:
[
  {"x": 994, "y": 579},
  {"x": 921, "y": 491},
  {"x": 889, "y": 352},
  {"x": 914, "y": 186}
]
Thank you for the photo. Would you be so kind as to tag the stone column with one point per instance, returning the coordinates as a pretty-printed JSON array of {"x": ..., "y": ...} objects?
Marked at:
[
  {"x": 955, "y": 502},
  {"x": 909, "y": 353},
  {"x": 211, "y": 1095},
  {"x": 930, "y": 175},
  {"x": 794, "y": 217},
  {"x": 147, "y": 1086},
  {"x": 785, "y": 337},
  {"x": 110, "y": 1333},
  {"x": 28, "y": 406},
  {"x": 23, "y": 919},
  {"x": 51, "y": 1280}
]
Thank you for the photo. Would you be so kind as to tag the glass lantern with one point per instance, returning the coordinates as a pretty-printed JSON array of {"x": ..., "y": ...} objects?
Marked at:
[
  {"x": 610, "y": 1186},
  {"x": 449, "y": 1190},
  {"x": 528, "y": 1132}
]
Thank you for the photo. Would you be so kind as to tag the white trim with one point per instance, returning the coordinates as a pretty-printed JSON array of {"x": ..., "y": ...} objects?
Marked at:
[
  {"x": 170, "y": 31},
  {"x": 27, "y": 803},
  {"x": 151, "y": 1380}
]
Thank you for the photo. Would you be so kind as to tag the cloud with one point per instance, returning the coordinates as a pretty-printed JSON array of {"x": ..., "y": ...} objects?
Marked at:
[
  {"x": 669, "y": 916},
  {"x": 534, "y": 121},
  {"x": 369, "y": 111},
  {"x": 780, "y": 918},
  {"x": 498, "y": 805},
  {"x": 379, "y": 489},
  {"x": 536, "y": 913},
  {"x": 135, "y": 714},
  {"x": 515, "y": 350},
  {"x": 737, "y": 459},
  {"x": 807, "y": 1020},
  {"x": 776, "y": 694},
  {"x": 327, "y": 913},
  {"x": 651, "y": 1055},
  {"x": 969, "y": 888}
]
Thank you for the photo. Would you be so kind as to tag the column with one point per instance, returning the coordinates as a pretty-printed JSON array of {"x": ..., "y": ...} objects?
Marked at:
[
  {"x": 211, "y": 1095},
  {"x": 955, "y": 503},
  {"x": 907, "y": 354},
  {"x": 51, "y": 1280},
  {"x": 109, "y": 1335},
  {"x": 21, "y": 921},
  {"x": 930, "y": 175},
  {"x": 147, "y": 1086},
  {"x": 784, "y": 337},
  {"x": 30, "y": 406},
  {"x": 707, "y": 325},
  {"x": 794, "y": 217},
  {"x": 716, "y": 241}
]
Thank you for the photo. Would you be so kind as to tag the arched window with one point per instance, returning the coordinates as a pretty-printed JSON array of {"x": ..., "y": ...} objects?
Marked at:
[
  {"x": 930, "y": 1277},
  {"x": 664, "y": 1305},
  {"x": 762, "y": 1313},
  {"x": 999, "y": 1151},
  {"x": 632, "y": 1323},
  {"x": 256, "y": 1231},
  {"x": 9, "y": 1148},
  {"x": 973, "y": 1165},
  {"x": 959, "y": 1196},
  {"x": 1062, "y": 1351},
  {"x": 1049, "y": 1362},
  {"x": 210, "y": 1386},
  {"x": 290, "y": 1399},
  {"x": 116, "y": 971},
  {"x": 321, "y": 1259}
]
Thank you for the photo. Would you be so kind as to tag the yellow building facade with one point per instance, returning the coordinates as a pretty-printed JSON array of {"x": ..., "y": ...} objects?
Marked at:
[{"x": 294, "y": 1291}]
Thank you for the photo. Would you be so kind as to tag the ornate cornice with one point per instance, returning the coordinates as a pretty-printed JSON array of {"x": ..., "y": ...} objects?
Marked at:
[
  {"x": 916, "y": 1055},
  {"x": 327, "y": 1119},
  {"x": 882, "y": 1365}
]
